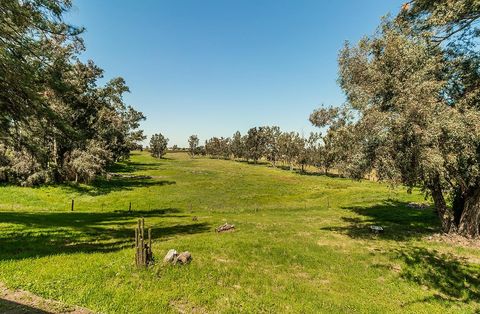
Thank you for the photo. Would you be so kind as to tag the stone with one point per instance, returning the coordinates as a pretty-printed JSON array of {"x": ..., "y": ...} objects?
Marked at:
[
  {"x": 183, "y": 258},
  {"x": 376, "y": 229},
  {"x": 171, "y": 256},
  {"x": 225, "y": 227}
]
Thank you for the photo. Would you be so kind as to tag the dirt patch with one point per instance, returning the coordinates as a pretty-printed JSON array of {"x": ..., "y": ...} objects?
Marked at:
[
  {"x": 183, "y": 307},
  {"x": 21, "y": 302}
]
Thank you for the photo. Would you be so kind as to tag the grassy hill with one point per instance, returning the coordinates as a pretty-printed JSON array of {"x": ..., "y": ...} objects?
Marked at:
[{"x": 302, "y": 243}]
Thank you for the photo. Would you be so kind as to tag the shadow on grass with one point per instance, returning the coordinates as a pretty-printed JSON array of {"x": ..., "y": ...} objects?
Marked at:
[
  {"x": 398, "y": 221},
  {"x": 26, "y": 235},
  {"x": 249, "y": 162},
  {"x": 451, "y": 278},
  {"x": 10, "y": 307},
  {"x": 318, "y": 174},
  {"x": 104, "y": 186}
]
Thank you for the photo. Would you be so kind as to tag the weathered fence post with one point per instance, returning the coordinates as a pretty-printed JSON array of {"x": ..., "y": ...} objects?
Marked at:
[
  {"x": 143, "y": 249},
  {"x": 130, "y": 207},
  {"x": 73, "y": 204}
]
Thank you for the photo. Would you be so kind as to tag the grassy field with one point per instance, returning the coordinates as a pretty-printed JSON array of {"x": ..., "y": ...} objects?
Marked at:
[{"x": 301, "y": 245}]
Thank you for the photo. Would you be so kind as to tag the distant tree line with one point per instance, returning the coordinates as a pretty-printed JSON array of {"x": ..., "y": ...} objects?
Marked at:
[
  {"x": 269, "y": 143},
  {"x": 57, "y": 122}
]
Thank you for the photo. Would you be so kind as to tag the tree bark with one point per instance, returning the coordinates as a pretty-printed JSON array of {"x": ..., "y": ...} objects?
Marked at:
[
  {"x": 469, "y": 225},
  {"x": 444, "y": 213}
]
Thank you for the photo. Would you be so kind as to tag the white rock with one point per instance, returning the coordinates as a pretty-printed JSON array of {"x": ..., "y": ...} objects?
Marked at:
[
  {"x": 171, "y": 256},
  {"x": 376, "y": 229}
]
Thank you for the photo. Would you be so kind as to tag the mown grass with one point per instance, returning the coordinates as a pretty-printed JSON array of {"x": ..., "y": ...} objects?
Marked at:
[{"x": 301, "y": 245}]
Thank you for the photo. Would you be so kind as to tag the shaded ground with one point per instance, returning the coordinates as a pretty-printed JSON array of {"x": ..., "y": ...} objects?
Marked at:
[
  {"x": 46, "y": 233},
  {"x": 399, "y": 221}
]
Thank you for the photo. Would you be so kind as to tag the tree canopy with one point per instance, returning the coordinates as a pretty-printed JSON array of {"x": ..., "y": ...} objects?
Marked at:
[
  {"x": 412, "y": 113},
  {"x": 56, "y": 122}
]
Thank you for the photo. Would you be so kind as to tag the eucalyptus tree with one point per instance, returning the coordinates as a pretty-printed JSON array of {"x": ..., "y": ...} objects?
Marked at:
[
  {"x": 218, "y": 147},
  {"x": 193, "y": 142},
  {"x": 309, "y": 152},
  {"x": 413, "y": 107},
  {"x": 272, "y": 149},
  {"x": 237, "y": 145},
  {"x": 290, "y": 145},
  {"x": 158, "y": 145},
  {"x": 334, "y": 151},
  {"x": 256, "y": 143}
]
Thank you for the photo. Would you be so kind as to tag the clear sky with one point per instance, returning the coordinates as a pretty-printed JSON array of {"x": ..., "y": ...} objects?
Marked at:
[{"x": 213, "y": 67}]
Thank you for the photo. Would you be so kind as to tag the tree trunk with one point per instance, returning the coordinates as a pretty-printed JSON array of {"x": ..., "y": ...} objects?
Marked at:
[
  {"x": 469, "y": 225},
  {"x": 444, "y": 213}
]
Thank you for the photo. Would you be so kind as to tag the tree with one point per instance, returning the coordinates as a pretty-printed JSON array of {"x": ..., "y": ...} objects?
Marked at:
[
  {"x": 51, "y": 105},
  {"x": 237, "y": 145},
  {"x": 193, "y": 144},
  {"x": 309, "y": 151},
  {"x": 158, "y": 145},
  {"x": 290, "y": 145},
  {"x": 272, "y": 149},
  {"x": 413, "y": 98},
  {"x": 334, "y": 151},
  {"x": 255, "y": 144},
  {"x": 218, "y": 147}
]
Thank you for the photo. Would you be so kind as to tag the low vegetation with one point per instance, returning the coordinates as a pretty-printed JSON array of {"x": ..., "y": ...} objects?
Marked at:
[{"x": 302, "y": 243}]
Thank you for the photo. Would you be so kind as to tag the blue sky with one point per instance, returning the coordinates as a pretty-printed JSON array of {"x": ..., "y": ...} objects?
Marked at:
[{"x": 213, "y": 67}]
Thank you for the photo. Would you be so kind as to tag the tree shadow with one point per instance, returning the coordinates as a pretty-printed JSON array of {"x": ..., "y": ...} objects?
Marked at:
[
  {"x": 319, "y": 174},
  {"x": 10, "y": 307},
  {"x": 453, "y": 278},
  {"x": 398, "y": 221},
  {"x": 38, "y": 234},
  {"x": 104, "y": 186},
  {"x": 249, "y": 162}
]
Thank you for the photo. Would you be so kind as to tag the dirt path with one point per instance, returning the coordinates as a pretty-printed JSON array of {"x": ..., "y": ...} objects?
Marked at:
[{"x": 22, "y": 302}]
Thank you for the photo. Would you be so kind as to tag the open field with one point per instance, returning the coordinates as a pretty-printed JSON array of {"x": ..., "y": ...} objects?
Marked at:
[{"x": 301, "y": 245}]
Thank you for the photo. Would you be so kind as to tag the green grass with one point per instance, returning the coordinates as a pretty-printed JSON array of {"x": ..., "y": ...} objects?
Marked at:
[{"x": 301, "y": 245}]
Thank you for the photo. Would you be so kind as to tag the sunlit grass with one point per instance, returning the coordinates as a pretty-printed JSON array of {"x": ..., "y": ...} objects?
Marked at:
[{"x": 302, "y": 243}]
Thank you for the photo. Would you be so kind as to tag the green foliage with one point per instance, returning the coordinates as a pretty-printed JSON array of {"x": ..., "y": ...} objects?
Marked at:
[
  {"x": 218, "y": 147},
  {"x": 193, "y": 144},
  {"x": 158, "y": 145},
  {"x": 51, "y": 107},
  {"x": 412, "y": 112}
]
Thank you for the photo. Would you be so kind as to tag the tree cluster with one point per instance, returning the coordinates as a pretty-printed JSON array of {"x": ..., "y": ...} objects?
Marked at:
[
  {"x": 271, "y": 144},
  {"x": 56, "y": 122}
]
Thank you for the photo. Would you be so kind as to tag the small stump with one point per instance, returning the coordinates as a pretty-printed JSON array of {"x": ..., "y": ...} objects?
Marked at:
[{"x": 143, "y": 249}]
